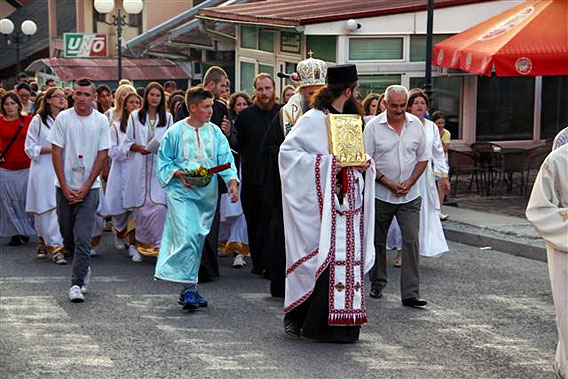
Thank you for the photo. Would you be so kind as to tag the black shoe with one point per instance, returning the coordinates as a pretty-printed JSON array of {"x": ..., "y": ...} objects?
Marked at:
[
  {"x": 414, "y": 302},
  {"x": 376, "y": 294},
  {"x": 15, "y": 241},
  {"x": 291, "y": 327},
  {"x": 25, "y": 239},
  {"x": 256, "y": 271}
]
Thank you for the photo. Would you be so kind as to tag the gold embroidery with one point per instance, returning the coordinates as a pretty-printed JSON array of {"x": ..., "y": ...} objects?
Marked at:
[{"x": 357, "y": 286}]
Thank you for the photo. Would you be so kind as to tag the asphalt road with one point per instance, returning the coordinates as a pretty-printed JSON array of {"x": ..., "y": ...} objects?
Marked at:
[{"x": 490, "y": 315}]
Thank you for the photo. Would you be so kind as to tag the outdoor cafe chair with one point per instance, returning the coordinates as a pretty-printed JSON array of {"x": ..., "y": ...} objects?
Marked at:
[
  {"x": 512, "y": 161},
  {"x": 462, "y": 163},
  {"x": 485, "y": 159}
]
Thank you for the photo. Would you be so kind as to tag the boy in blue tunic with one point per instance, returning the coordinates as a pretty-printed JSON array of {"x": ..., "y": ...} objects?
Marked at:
[{"x": 187, "y": 145}]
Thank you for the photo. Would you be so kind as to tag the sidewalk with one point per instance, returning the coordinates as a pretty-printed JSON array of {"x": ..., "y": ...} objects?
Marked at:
[{"x": 497, "y": 224}]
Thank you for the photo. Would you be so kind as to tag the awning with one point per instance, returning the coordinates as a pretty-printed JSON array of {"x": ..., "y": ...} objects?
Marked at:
[
  {"x": 105, "y": 69},
  {"x": 529, "y": 39}
]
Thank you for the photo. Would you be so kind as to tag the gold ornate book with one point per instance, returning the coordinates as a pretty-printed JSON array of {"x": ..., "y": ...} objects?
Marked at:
[{"x": 346, "y": 138}]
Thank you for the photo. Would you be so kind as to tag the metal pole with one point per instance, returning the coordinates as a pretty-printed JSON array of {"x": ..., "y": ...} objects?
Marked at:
[
  {"x": 17, "y": 43},
  {"x": 429, "y": 31},
  {"x": 119, "y": 35}
]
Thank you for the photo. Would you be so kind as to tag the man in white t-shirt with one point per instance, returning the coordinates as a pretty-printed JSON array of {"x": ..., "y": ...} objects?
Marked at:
[
  {"x": 80, "y": 140},
  {"x": 396, "y": 141}
]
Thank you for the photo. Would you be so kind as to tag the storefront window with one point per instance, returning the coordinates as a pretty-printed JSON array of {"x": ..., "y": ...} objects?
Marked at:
[
  {"x": 505, "y": 108},
  {"x": 418, "y": 45},
  {"x": 266, "y": 41},
  {"x": 267, "y": 69},
  {"x": 323, "y": 47},
  {"x": 248, "y": 71},
  {"x": 376, "y": 83},
  {"x": 249, "y": 37},
  {"x": 553, "y": 115},
  {"x": 445, "y": 98},
  {"x": 375, "y": 49}
]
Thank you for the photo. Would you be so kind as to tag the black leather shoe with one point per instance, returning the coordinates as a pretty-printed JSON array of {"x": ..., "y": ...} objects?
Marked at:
[
  {"x": 376, "y": 294},
  {"x": 414, "y": 302},
  {"x": 291, "y": 327}
]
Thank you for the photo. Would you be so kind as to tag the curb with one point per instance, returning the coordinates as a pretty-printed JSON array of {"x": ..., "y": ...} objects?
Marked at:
[{"x": 499, "y": 244}]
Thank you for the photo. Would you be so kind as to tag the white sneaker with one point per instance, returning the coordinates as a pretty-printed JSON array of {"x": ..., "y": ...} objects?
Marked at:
[
  {"x": 443, "y": 217},
  {"x": 93, "y": 252},
  {"x": 131, "y": 251},
  {"x": 239, "y": 261},
  {"x": 75, "y": 294},
  {"x": 86, "y": 281},
  {"x": 136, "y": 257},
  {"x": 119, "y": 243}
]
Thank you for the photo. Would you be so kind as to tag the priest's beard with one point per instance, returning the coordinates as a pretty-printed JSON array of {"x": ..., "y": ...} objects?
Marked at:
[
  {"x": 265, "y": 106},
  {"x": 352, "y": 106}
]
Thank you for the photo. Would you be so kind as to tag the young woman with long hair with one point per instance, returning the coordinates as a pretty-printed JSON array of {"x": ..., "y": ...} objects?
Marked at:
[
  {"x": 146, "y": 198},
  {"x": 40, "y": 198},
  {"x": 114, "y": 113},
  {"x": 116, "y": 184},
  {"x": 14, "y": 169}
]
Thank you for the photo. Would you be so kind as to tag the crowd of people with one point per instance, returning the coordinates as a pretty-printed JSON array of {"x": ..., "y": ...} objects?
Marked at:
[{"x": 76, "y": 159}]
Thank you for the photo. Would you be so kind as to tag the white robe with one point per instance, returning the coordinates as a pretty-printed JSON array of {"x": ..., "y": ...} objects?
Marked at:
[
  {"x": 319, "y": 232},
  {"x": 145, "y": 196},
  {"x": 40, "y": 196},
  {"x": 547, "y": 210},
  {"x": 432, "y": 239},
  {"x": 141, "y": 172},
  {"x": 116, "y": 183}
]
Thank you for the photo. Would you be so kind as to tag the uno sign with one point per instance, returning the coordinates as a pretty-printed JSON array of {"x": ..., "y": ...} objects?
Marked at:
[{"x": 82, "y": 45}]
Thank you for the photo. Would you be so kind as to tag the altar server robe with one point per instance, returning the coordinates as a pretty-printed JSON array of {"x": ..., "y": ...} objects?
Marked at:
[{"x": 190, "y": 210}]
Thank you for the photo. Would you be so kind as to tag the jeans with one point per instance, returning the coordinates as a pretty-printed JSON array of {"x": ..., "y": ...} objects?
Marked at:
[{"x": 76, "y": 222}]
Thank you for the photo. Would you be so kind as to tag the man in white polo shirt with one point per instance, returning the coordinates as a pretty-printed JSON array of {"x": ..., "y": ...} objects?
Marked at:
[
  {"x": 80, "y": 140},
  {"x": 396, "y": 140}
]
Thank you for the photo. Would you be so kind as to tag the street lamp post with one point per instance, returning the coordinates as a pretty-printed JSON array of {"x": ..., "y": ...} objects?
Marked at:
[
  {"x": 119, "y": 20},
  {"x": 429, "y": 32},
  {"x": 28, "y": 28}
]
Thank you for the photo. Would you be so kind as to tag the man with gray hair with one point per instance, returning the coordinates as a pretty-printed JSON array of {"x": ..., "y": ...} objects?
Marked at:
[{"x": 396, "y": 141}]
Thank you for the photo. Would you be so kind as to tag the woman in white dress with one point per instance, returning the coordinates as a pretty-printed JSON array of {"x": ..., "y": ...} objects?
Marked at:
[
  {"x": 40, "y": 197},
  {"x": 432, "y": 240},
  {"x": 122, "y": 219},
  {"x": 145, "y": 197}
]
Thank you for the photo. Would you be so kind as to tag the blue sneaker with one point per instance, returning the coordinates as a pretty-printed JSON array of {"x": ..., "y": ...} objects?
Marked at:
[
  {"x": 190, "y": 300},
  {"x": 201, "y": 300}
]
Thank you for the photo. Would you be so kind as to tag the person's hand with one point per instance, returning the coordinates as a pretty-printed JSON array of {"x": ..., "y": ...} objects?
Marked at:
[
  {"x": 295, "y": 79},
  {"x": 395, "y": 188},
  {"x": 140, "y": 149},
  {"x": 404, "y": 188},
  {"x": 445, "y": 186},
  {"x": 181, "y": 176},
  {"x": 233, "y": 191},
  {"x": 70, "y": 195},
  {"x": 364, "y": 166},
  {"x": 338, "y": 165},
  {"x": 226, "y": 126}
]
